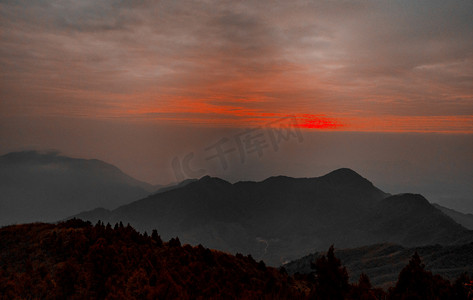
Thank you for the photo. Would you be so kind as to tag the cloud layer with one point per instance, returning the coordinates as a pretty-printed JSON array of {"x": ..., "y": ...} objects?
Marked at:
[{"x": 355, "y": 65}]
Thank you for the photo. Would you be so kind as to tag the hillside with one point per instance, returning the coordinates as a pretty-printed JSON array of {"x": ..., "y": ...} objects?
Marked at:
[
  {"x": 463, "y": 219},
  {"x": 282, "y": 218},
  {"x": 38, "y": 186},
  {"x": 78, "y": 260},
  {"x": 383, "y": 262},
  {"x": 409, "y": 219}
]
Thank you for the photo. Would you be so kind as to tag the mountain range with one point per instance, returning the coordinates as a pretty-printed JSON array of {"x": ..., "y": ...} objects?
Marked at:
[
  {"x": 277, "y": 220},
  {"x": 47, "y": 186},
  {"x": 283, "y": 218}
]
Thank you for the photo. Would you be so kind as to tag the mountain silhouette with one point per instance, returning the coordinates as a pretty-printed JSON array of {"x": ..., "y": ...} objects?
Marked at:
[
  {"x": 37, "y": 186},
  {"x": 409, "y": 219},
  {"x": 283, "y": 218}
]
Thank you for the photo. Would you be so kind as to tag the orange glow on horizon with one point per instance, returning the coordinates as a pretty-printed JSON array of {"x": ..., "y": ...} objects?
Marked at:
[
  {"x": 316, "y": 122},
  {"x": 248, "y": 111}
]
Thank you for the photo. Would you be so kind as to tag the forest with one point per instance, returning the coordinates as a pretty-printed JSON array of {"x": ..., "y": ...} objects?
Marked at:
[{"x": 78, "y": 260}]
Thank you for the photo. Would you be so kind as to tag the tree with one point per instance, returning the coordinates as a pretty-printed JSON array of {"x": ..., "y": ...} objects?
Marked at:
[
  {"x": 331, "y": 279},
  {"x": 155, "y": 237},
  {"x": 66, "y": 277},
  {"x": 174, "y": 242},
  {"x": 414, "y": 282},
  {"x": 363, "y": 290},
  {"x": 463, "y": 287}
]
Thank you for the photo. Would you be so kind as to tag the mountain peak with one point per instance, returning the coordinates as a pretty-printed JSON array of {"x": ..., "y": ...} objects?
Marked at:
[
  {"x": 344, "y": 172},
  {"x": 210, "y": 179},
  {"x": 278, "y": 178},
  {"x": 344, "y": 175}
]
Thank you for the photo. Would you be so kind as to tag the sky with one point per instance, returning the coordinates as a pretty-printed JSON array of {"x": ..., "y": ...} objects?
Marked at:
[{"x": 143, "y": 84}]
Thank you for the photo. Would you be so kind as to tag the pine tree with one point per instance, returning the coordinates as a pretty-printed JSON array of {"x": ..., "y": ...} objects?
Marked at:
[
  {"x": 414, "y": 281},
  {"x": 331, "y": 279},
  {"x": 155, "y": 237},
  {"x": 363, "y": 290}
]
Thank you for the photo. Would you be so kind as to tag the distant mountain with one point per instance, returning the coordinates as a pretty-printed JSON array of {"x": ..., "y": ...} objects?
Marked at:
[
  {"x": 466, "y": 220},
  {"x": 283, "y": 218},
  {"x": 37, "y": 186},
  {"x": 74, "y": 260},
  {"x": 101, "y": 213},
  {"x": 383, "y": 262},
  {"x": 409, "y": 219},
  {"x": 173, "y": 186}
]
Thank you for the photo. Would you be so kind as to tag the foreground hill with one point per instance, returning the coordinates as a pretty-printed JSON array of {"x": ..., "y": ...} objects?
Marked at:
[
  {"x": 383, "y": 262},
  {"x": 79, "y": 261},
  {"x": 283, "y": 218},
  {"x": 75, "y": 260},
  {"x": 46, "y": 186}
]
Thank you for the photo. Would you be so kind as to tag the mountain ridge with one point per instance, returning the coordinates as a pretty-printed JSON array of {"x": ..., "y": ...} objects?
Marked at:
[
  {"x": 47, "y": 186},
  {"x": 281, "y": 217}
]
